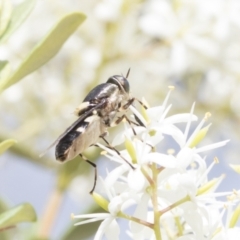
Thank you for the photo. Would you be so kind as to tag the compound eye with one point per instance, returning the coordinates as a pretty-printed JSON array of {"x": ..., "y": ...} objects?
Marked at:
[
  {"x": 125, "y": 84},
  {"x": 120, "y": 80},
  {"x": 112, "y": 80}
]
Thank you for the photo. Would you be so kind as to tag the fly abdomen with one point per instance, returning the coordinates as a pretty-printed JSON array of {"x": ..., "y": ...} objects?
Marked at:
[
  {"x": 79, "y": 138},
  {"x": 66, "y": 143}
]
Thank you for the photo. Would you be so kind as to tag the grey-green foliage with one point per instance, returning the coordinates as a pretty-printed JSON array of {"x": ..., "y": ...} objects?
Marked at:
[
  {"x": 22, "y": 213},
  {"x": 47, "y": 48},
  {"x": 10, "y": 19}
]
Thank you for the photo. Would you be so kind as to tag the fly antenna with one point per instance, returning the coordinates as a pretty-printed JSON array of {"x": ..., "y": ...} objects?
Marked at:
[{"x": 128, "y": 72}]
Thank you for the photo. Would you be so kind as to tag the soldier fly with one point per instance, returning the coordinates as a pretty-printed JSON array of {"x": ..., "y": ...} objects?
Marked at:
[{"x": 96, "y": 114}]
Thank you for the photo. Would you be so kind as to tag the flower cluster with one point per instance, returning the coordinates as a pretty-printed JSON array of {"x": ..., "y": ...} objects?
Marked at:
[{"x": 169, "y": 193}]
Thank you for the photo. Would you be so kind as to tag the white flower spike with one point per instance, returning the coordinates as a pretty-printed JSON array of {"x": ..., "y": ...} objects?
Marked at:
[{"x": 169, "y": 192}]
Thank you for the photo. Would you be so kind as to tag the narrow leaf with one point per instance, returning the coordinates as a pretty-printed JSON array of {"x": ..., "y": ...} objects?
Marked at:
[
  {"x": 20, "y": 13},
  {"x": 6, "y": 144},
  {"x": 46, "y": 49},
  {"x": 18, "y": 214},
  {"x": 28, "y": 154},
  {"x": 5, "y": 70},
  {"x": 5, "y": 15}
]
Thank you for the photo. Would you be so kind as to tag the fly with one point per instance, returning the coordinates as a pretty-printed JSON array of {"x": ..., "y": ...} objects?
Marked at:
[{"x": 97, "y": 113}]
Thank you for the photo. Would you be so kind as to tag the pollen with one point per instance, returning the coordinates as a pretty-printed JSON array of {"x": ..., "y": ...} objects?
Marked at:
[
  {"x": 207, "y": 115},
  {"x": 171, "y": 87},
  {"x": 216, "y": 160},
  {"x": 193, "y": 165},
  {"x": 231, "y": 197},
  {"x": 103, "y": 153},
  {"x": 235, "y": 192},
  {"x": 170, "y": 151}
]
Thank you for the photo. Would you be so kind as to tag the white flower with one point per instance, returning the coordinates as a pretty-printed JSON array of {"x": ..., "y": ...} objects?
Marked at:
[
  {"x": 108, "y": 10},
  {"x": 229, "y": 234},
  {"x": 165, "y": 191},
  {"x": 109, "y": 226},
  {"x": 193, "y": 38}
]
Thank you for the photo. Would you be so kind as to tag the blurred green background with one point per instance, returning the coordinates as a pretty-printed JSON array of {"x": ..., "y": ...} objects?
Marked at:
[{"x": 191, "y": 44}]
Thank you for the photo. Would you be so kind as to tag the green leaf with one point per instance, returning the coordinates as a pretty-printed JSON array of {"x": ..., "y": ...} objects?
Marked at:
[
  {"x": 29, "y": 154},
  {"x": 6, "y": 70},
  {"x": 5, "y": 15},
  {"x": 6, "y": 144},
  {"x": 19, "y": 14},
  {"x": 83, "y": 232},
  {"x": 4, "y": 235},
  {"x": 3, "y": 64},
  {"x": 46, "y": 49},
  {"x": 3, "y": 206},
  {"x": 18, "y": 214}
]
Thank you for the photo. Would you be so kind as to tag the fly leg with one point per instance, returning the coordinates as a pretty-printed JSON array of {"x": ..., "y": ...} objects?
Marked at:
[
  {"x": 130, "y": 102},
  {"x": 95, "y": 171},
  {"x": 129, "y": 122},
  {"x": 114, "y": 149},
  {"x": 139, "y": 122}
]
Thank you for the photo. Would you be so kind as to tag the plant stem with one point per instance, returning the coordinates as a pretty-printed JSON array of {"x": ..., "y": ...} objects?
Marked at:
[
  {"x": 134, "y": 219},
  {"x": 179, "y": 226},
  {"x": 170, "y": 207},
  {"x": 6, "y": 228},
  {"x": 146, "y": 175},
  {"x": 50, "y": 214},
  {"x": 156, "y": 227}
]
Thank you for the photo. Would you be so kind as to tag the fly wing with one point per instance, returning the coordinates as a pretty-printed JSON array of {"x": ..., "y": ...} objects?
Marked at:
[
  {"x": 80, "y": 138},
  {"x": 75, "y": 124}
]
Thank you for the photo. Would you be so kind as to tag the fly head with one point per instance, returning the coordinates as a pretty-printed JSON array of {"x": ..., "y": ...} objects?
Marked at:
[{"x": 121, "y": 82}]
